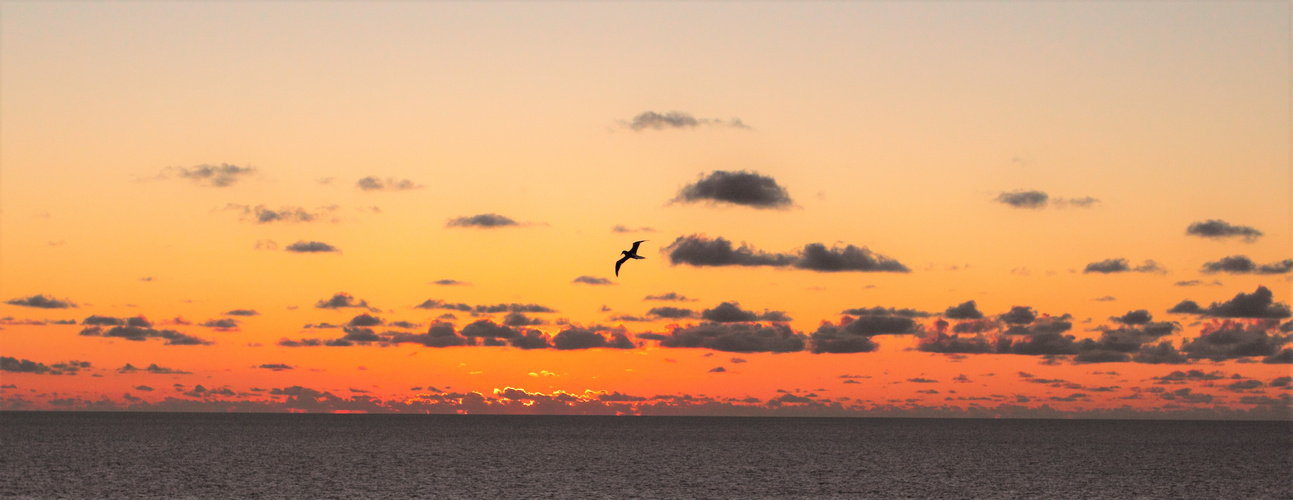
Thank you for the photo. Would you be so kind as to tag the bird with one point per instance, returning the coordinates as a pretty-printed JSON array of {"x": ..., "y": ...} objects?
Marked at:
[{"x": 631, "y": 253}]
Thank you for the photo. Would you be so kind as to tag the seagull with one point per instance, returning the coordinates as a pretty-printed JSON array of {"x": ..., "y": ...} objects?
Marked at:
[{"x": 631, "y": 253}]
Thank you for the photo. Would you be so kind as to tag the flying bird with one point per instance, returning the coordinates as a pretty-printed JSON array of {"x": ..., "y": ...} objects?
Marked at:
[{"x": 631, "y": 253}]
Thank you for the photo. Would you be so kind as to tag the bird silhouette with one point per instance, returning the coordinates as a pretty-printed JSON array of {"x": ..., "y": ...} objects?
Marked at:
[{"x": 631, "y": 253}]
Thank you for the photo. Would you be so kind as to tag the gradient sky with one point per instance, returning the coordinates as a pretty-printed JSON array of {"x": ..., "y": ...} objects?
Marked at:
[{"x": 165, "y": 168}]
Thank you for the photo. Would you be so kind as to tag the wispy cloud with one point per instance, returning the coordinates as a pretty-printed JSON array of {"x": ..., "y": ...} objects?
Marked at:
[{"x": 677, "y": 120}]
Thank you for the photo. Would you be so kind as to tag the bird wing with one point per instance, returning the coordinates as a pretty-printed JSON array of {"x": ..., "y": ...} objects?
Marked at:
[
  {"x": 618, "y": 263},
  {"x": 634, "y": 250}
]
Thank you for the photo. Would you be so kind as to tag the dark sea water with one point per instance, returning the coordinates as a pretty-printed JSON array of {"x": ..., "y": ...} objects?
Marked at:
[{"x": 158, "y": 455}]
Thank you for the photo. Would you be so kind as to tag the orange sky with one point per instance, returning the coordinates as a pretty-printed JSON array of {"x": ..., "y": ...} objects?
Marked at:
[{"x": 256, "y": 165}]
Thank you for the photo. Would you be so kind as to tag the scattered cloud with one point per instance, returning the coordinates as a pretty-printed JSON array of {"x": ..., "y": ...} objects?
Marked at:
[
  {"x": 242, "y": 312},
  {"x": 620, "y": 228},
  {"x": 141, "y": 333},
  {"x": 591, "y": 338},
  {"x": 311, "y": 247},
  {"x": 651, "y": 120},
  {"x": 259, "y": 214},
  {"x": 41, "y": 302},
  {"x": 731, "y": 312},
  {"x": 484, "y": 308},
  {"x": 1024, "y": 199},
  {"x": 736, "y": 337},
  {"x": 371, "y": 183},
  {"x": 1240, "y": 264},
  {"x": 484, "y": 221},
  {"x": 593, "y": 280},
  {"x": 966, "y": 310},
  {"x": 152, "y": 368},
  {"x": 1259, "y": 304},
  {"x": 671, "y": 312},
  {"x": 1219, "y": 229},
  {"x": 816, "y": 257},
  {"x": 1229, "y": 339},
  {"x": 278, "y": 367},
  {"x": 222, "y": 175},
  {"x": 736, "y": 188},
  {"x": 342, "y": 301},
  {"x": 449, "y": 282},
  {"x": 698, "y": 250},
  {"x": 15, "y": 365},
  {"x": 1109, "y": 266},
  {"x": 1197, "y": 283},
  {"x": 671, "y": 296}
]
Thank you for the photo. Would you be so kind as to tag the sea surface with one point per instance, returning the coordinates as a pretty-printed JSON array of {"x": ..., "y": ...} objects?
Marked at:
[{"x": 168, "y": 455}]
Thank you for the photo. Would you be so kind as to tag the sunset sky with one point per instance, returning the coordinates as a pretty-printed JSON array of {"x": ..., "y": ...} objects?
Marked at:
[{"x": 850, "y": 209}]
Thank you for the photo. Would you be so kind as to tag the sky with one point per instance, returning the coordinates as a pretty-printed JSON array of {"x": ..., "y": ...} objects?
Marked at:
[{"x": 990, "y": 209}]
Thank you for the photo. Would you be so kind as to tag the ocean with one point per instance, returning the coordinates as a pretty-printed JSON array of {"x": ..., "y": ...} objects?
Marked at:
[{"x": 203, "y": 455}]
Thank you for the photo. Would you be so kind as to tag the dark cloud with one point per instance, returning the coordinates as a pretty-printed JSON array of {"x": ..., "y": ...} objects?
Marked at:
[
  {"x": 878, "y": 325},
  {"x": 593, "y": 280},
  {"x": 1240, "y": 264},
  {"x": 737, "y": 188},
  {"x": 678, "y": 120},
  {"x": 532, "y": 339},
  {"x": 1161, "y": 354},
  {"x": 439, "y": 335},
  {"x": 588, "y": 338},
  {"x": 731, "y": 312},
  {"x": 139, "y": 334},
  {"x": 941, "y": 343},
  {"x": 697, "y": 250},
  {"x": 222, "y": 175},
  {"x": 736, "y": 337},
  {"x": 718, "y": 370},
  {"x": 152, "y": 368},
  {"x": 1197, "y": 283},
  {"x": 1137, "y": 317},
  {"x": 1259, "y": 304},
  {"x": 447, "y": 282},
  {"x": 1038, "y": 343},
  {"x": 1019, "y": 315},
  {"x": 484, "y": 308},
  {"x": 1189, "y": 376},
  {"x": 1232, "y": 340},
  {"x": 671, "y": 296},
  {"x": 486, "y": 221},
  {"x": 832, "y": 339},
  {"x": 342, "y": 301},
  {"x": 301, "y": 343},
  {"x": 371, "y": 183},
  {"x": 816, "y": 257},
  {"x": 1024, "y": 199},
  {"x": 1284, "y": 357},
  {"x": 885, "y": 311},
  {"x": 1219, "y": 229},
  {"x": 16, "y": 365},
  {"x": 221, "y": 324},
  {"x": 487, "y": 329},
  {"x": 41, "y": 302},
  {"x": 671, "y": 312},
  {"x": 278, "y": 367},
  {"x": 365, "y": 320},
  {"x": 242, "y": 312},
  {"x": 260, "y": 214},
  {"x": 1109, "y": 266},
  {"x": 311, "y": 247},
  {"x": 520, "y": 319},
  {"x": 620, "y": 228},
  {"x": 102, "y": 321},
  {"x": 966, "y": 310},
  {"x": 1120, "y": 344}
]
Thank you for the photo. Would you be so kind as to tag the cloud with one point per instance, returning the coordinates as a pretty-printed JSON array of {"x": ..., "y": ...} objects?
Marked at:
[
  {"x": 832, "y": 339},
  {"x": 15, "y": 365},
  {"x": 365, "y": 320},
  {"x": 1197, "y": 283},
  {"x": 678, "y": 120},
  {"x": 1259, "y": 304},
  {"x": 737, "y": 188},
  {"x": 736, "y": 337},
  {"x": 591, "y": 338},
  {"x": 152, "y": 368},
  {"x": 242, "y": 312},
  {"x": 222, "y": 175},
  {"x": 484, "y": 308},
  {"x": 1137, "y": 317},
  {"x": 940, "y": 342},
  {"x": 448, "y": 282},
  {"x": 1284, "y": 357},
  {"x": 1108, "y": 266},
  {"x": 439, "y": 335},
  {"x": 140, "y": 333},
  {"x": 671, "y": 312},
  {"x": 697, "y": 250},
  {"x": 1083, "y": 202},
  {"x": 593, "y": 280},
  {"x": 1219, "y": 229},
  {"x": 484, "y": 221},
  {"x": 520, "y": 319},
  {"x": 487, "y": 329},
  {"x": 311, "y": 247},
  {"x": 1024, "y": 199},
  {"x": 671, "y": 296},
  {"x": 731, "y": 312},
  {"x": 1019, "y": 315},
  {"x": 41, "y": 302},
  {"x": 620, "y": 228},
  {"x": 966, "y": 310},
  {"x": 1240, "y": 264},
  {"x": 886, "y": 311},
  {"x": 371, "y": 183},
  {"x": 278, "y": 367},
  {"x": 261, "y": 215},
  {"x": 342, "y": 301},
  {"x": 1119, "y": 344},
  {"x": 102, "y": 320},
  {"x": 1228, "y": 340},
  {"x": 221, "y": 324},
  {"x": 816, "y": 257}
]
